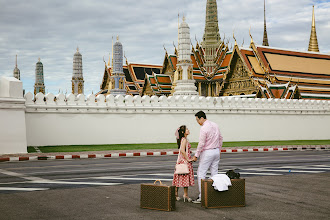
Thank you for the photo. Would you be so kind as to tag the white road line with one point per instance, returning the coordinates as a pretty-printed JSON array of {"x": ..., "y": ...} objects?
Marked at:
[
  {"x": 46, "y": 181},
  {"x": 108, "y": 169},
  {"x": 20, "y": 175},
  {"x": 21, "y": 189},
  {"x": 285, "y": 171},
  {"x": 307, "y": 168},
  {"x": 75, "y": 183},
  {"x": 320, "y": 165},
  {"x": 129, "y": 178},
  {"x": 263, "y": 174}
]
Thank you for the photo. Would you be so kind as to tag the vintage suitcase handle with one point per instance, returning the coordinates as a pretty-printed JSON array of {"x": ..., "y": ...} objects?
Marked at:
[{"x": 160, "y": 182}]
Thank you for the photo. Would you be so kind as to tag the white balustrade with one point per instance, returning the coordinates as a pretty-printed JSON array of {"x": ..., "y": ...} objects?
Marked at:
[
  {"x": 80, "y": 100},
  {"x": 40, "y": 99},
  {"x": 29, "y": 98},
  {"x": 146, "y": 101},
  {"x": 137, "y": 100},
  {"x": 154, "y": 101},
  {"x": 180, "y": 102},
  {"x": 119, "y": 100},
  {"x": 129, "y": 101},
  {"x": 91, "y": 100},
  {"x": 163, "y": 101},
  {"x": 100, "y": 100},
  {"x": 110, "y": 100},
  {"x": 71, "y": 100},
  {"x": 50, "y": 99}
]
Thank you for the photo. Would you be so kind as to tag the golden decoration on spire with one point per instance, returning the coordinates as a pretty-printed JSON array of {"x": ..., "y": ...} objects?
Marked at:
[
  {"x": 265, "y": 40},
  {"x": 313, "y": 44},
  {"x": 234, "y": 38},
  {"x": 250, "y": 35}
]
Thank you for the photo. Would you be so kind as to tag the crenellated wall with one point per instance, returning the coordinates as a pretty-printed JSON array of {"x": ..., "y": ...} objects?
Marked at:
[{"x": 71, "y": 120}]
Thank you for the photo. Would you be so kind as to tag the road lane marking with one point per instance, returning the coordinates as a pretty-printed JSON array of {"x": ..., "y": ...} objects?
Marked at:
[
  {"x": 129, "y": 178},
  {"x": 46, "y": 181},
  {"x": 21, "y": 189},
  {"x": 263, "y": 174},
  {"x": 75, "y": 183},
  {"x": 307, "y": 168},
  {"x": 285, "y": 171}
]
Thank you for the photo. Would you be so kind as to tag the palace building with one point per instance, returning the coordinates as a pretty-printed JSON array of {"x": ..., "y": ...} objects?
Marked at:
[{"x": 215, "y": 70}]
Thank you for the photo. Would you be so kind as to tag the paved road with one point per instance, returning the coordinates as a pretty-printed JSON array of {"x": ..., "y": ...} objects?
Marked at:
[{"x": 46, "y": 175}]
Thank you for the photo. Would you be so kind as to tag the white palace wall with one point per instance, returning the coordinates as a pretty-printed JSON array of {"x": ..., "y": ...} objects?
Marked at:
[
  {"x": 94, "y": 120},
  {"x": 12, "y": 116},
  {"x": 69, "y": 120}
]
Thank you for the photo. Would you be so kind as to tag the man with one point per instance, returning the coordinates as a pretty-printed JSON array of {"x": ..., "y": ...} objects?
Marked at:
[{"x": 208, "y": 149}]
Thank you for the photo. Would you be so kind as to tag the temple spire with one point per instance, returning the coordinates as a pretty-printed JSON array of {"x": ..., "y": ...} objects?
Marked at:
[
  {"x": 313, "y": 44},
  {"x": 211, "y": 39},
  {"x": 211, "y": 32},
  {"x": 17, "y": 73},
  {"x": 265, "y": 41}
]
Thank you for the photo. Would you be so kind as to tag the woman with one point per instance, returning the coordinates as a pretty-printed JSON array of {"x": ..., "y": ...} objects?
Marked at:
[{"x": 183, "y": 180}]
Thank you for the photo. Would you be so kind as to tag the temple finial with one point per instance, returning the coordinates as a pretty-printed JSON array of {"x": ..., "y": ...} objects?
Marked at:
[
  {"x": 250, "y": 35},
  {"x": 16, "y": 61},
  {"x": 77, "y": 49},
  {"x": 265, "y": 40},
  {"x": 234, "y": 38},
  {"x": 313, "y": 44}
]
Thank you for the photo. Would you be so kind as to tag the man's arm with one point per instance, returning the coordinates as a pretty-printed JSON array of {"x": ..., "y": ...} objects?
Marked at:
[
  {"x": 201, "y": 143},
  {"x": 220, "y": 138}
]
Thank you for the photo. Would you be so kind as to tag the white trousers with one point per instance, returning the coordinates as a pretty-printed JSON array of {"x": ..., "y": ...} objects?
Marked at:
[{"x": 208, "y": 159}]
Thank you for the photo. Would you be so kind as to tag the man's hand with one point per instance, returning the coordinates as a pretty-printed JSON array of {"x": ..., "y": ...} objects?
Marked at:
[{"x": 194, "y": 159}]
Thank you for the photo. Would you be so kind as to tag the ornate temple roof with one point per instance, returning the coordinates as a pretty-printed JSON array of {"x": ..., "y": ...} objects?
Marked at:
[
  {"x": 135, "y": 77},
  {"x": 310, "y": 71}
]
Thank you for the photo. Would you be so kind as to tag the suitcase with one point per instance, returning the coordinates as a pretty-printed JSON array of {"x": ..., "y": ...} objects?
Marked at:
[
  {"x": 234, "y": 197},
  {"x": 159, "y": 197}
]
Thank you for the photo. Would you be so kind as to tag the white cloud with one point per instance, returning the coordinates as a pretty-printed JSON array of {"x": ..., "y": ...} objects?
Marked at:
[{"x": 52, "y": 30}]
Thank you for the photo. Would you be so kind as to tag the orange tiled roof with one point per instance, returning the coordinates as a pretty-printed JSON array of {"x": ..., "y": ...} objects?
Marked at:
[{"x": 226, "y": 60}]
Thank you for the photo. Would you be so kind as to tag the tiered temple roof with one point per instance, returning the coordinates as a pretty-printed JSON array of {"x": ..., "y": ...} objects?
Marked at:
[
  {"x": 135, "y": 77},
  {"x": 302, "y": 74}
]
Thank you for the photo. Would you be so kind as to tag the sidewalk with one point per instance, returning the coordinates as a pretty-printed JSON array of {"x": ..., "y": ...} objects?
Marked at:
[{"x": 148, "y": 152}]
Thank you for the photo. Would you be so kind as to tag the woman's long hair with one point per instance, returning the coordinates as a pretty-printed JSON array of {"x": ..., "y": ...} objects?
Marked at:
[{"x": 181, "y": 131}]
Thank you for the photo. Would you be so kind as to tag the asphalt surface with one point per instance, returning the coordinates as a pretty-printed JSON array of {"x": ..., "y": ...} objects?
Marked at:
[{"x": 279, "y": 185}]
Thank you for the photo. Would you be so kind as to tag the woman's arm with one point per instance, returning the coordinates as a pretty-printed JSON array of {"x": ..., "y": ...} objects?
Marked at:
[{"x": 183, "y": 149}]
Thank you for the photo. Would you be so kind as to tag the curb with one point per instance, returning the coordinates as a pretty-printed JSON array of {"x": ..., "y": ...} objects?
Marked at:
[{"x": 160, "y": 153}]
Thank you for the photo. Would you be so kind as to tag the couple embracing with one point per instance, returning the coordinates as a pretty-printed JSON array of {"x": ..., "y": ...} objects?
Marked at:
[{"x": 208, "y": 152}]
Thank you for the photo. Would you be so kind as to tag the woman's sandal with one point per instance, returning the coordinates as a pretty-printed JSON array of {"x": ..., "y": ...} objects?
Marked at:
[{"x": 187, "y": 199}]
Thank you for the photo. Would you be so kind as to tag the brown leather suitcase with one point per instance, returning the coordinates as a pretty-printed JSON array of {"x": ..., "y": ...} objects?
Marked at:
[
  {"x": 234, "y": 197},
  {"x": 159, "y": 197}
]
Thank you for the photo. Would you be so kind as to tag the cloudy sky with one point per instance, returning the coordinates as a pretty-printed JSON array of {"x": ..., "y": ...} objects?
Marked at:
[{"x": 52, "y": 30}]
